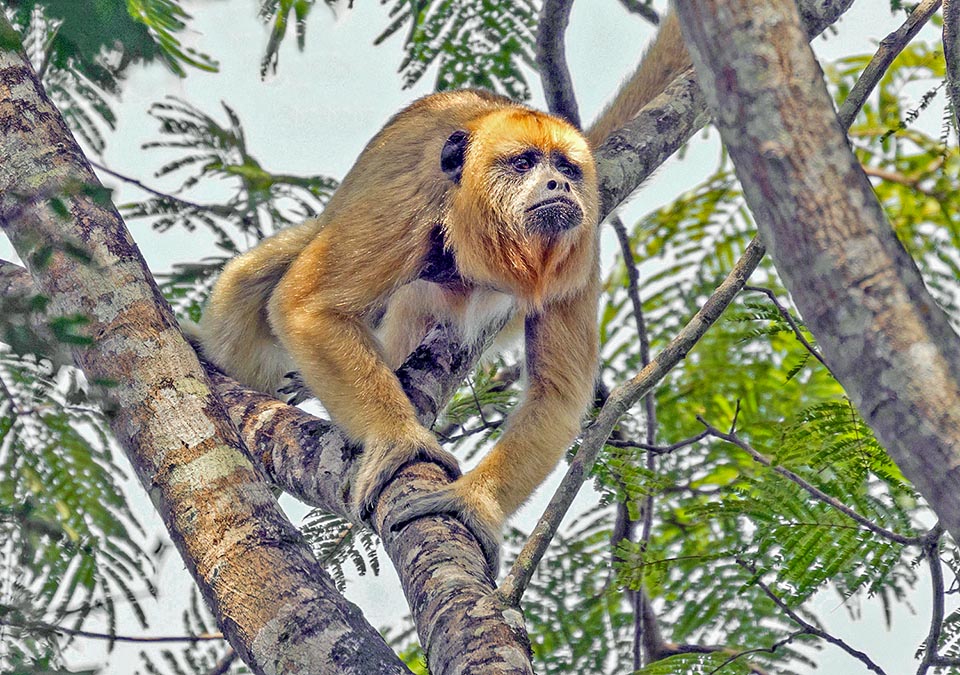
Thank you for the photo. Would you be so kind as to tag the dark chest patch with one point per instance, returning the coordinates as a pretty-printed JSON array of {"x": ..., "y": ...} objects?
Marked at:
[{"x": 439, "y": 265}]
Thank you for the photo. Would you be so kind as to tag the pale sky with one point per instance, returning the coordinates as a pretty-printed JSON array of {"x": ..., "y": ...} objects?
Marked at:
[{"x": 314, "y": 116}]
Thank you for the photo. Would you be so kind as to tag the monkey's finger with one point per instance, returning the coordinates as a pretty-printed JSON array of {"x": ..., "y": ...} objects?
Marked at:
[{"x": 381, "y": 463}]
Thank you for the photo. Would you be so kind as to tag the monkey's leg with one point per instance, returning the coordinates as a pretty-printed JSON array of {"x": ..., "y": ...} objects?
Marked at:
[
  {"x": 561, "y": 357},
  {"x": 317, "y": 311}
]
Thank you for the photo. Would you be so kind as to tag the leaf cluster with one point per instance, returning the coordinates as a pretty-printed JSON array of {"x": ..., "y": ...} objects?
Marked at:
[{"x": 69, "y": 544}]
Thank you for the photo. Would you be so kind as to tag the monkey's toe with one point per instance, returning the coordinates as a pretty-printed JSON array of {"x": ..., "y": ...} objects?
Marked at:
[{"x": 447, "y": 501}]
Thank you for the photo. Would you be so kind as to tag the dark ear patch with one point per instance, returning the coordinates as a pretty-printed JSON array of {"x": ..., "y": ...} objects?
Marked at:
[{"x": 452, "y": 155}]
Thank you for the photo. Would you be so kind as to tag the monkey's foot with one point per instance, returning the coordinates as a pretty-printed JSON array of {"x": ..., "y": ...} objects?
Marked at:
[
  {"x": 381, "y": 460},
  {"x": 480, "y": 514}
]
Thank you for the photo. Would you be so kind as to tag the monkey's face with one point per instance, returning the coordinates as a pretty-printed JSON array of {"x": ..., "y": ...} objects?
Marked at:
[{"x": 523, "y": 215}]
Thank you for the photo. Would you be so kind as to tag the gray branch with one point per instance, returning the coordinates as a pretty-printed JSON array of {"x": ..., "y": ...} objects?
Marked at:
[
  {"x": 552, "y": 60},
  {"x": 222, "y": 517},
  {"x": 951, "y": 53},
  {"x": 860, "y": 293}
]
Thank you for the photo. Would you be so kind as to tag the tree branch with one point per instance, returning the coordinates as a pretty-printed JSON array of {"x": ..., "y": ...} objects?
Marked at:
[
  {"x": 552, "y": 60},
  {"x": 889, "y": 344},
  {"x": 889, "y": 48},
  {"x": 808, "y": 627},
  {"x": 812, "y": 490},
  {"x": 287, "y": 440},
  {"x": 619, "y": 401},
  {"x": 951, "y": 54},
  {"x": 790, "y": 321},
  {"x": 224, "y": 521}
]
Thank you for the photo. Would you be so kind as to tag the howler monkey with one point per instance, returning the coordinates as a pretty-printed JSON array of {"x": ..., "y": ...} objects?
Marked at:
[{"x": 465, "y": 207}]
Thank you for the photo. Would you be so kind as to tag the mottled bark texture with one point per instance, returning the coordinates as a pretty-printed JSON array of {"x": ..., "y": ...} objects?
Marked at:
[
  {"x": 463, "y": 626},
  {"x": 629, "y": 156},
  {"x": 273, "y": 601},
  {"x": 460, "y": 622},
  {"x": 858, "y": 290},
  {"x": 951, "y": 54},
  {"x": 552, "y": 60}
]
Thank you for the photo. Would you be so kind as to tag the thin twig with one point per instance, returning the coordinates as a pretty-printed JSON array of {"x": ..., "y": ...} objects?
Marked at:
[
  {"x": 809, "y": 627},
  {"x": 217, "y": 210},
  {"x": 812, "y": 490},
  {"x": 785, "y": 313},
  {"x": 658, "y": 449},
  {"x": 888, "y": 50},
  {"x": 223, "y": 665},
  {"x": 772, "y": 649},
  {"x": 73, "y": 632},
  {"x": 931, "y": 550},
  {"x": 621, "y": 399},
  {"x": 552, "y": 60}
]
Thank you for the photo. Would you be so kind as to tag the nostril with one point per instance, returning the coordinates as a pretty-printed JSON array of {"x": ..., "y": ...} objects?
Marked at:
[
  {"x": 552, "y": 185},
  {"x": 566, "y": 186}
]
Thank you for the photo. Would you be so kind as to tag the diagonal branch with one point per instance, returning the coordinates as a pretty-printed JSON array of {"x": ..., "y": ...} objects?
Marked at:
[
  {"x": 619, "y": 401},
  {"x": 552, "y": 60},
  {"x": 223, "y": 519},
  {"x": 890, "y": 48},
  {"x": 951, "y": 54},
  {"x": 890, "y": 345}
]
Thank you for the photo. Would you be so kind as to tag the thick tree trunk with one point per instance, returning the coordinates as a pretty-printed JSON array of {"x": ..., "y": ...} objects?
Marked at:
[
  {"x": 463, "y": 626},
  {"x": 859, "y": 291},
  {"x": 273, "y": 601}
]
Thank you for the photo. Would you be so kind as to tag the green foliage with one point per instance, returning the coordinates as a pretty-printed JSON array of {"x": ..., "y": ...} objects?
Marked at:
[
  {"x": 69, "y": 544},
  {"x": 485, "y": 43},
  {"x": 336, "y": 542},
  {"x": 83, "y": 48},
  {"x": 260, "y": 203},
  {"x": 578, "y": 619},
  {"x": 278, "y": 11},
  {"x": 476, "y": 44},
  {"x": 101, "y": 39}
]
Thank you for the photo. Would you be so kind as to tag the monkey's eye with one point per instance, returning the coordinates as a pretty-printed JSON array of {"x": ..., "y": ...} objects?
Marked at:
[
  {"x": 569, "y": 170},
  {"x": 522, "y": 163}
]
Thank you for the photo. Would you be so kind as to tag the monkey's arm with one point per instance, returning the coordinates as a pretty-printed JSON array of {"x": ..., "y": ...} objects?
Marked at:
[
  {"x": 318, "y": 311},
  {"x": 561, "y": 359}
]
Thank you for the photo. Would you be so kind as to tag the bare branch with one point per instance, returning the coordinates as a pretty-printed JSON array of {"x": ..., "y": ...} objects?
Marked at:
[
  {"x": 889, "y": 48},
  {"x": 785, "y": 313},
  {"x": 552, "y": 60},
  {"x": 931, "y": 550},
  {"x": 808, "y": 627},
  {"x": 620, "y": 400},
  {"x": 92, "y": 635},
  {"x": 650, "y": 408}
]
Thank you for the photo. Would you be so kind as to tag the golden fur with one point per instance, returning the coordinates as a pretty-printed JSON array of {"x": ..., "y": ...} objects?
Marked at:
[{"x": 346, "y": 297}]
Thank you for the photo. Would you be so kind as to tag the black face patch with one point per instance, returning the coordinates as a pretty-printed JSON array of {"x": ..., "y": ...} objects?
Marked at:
[{"x": 453, "y": 154}]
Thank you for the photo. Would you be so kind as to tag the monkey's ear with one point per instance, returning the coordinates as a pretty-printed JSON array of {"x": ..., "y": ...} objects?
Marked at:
[{"x": 452, "y": 155}]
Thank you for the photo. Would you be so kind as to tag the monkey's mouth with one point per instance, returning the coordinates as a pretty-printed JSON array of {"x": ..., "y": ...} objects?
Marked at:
[{"x": 553, "y": 216}]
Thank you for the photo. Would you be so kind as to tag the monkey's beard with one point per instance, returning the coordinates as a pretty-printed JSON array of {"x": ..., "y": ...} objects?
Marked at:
[{"x": 553, "y": 217}]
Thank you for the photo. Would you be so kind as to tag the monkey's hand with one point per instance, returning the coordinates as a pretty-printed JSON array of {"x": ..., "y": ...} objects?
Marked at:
[
  {"x": 479, "y": 512},
  {"x": 381, "y": 459}
]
